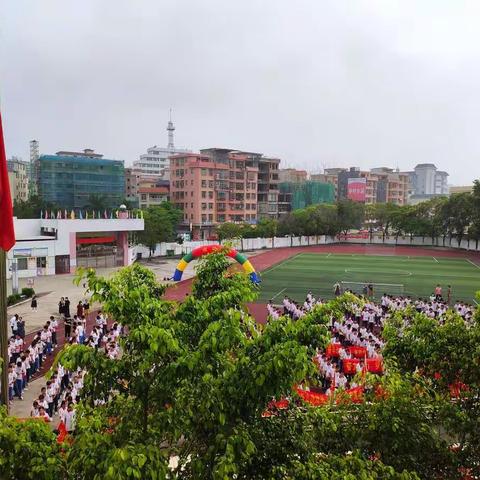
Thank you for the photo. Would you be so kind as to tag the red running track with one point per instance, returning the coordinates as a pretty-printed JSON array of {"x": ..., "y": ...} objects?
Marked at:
[{"x": 268, "y": 259}]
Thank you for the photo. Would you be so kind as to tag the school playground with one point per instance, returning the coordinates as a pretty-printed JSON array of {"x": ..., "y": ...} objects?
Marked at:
[{"x": 404, "y": 270}]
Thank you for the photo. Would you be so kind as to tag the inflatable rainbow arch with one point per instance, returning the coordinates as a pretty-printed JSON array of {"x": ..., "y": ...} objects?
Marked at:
[{"x": 200, "y": 251}]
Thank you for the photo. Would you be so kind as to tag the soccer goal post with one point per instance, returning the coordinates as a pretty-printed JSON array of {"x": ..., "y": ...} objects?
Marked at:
[{"x": 361, "y": 288}]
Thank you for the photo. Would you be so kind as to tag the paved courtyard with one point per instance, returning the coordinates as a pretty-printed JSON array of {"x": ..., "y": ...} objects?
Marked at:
[{"x": 51, "y": 288}]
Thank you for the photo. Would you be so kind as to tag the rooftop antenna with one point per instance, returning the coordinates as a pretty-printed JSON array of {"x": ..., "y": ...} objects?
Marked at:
[{"x": 170, "y": 130}]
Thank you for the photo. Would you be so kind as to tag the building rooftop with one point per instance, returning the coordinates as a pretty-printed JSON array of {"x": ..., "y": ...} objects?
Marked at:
[
  {"x": 425, "y": 165},
  {"x": 153, "y": 190},
  {"x": 87, "y": 152}
]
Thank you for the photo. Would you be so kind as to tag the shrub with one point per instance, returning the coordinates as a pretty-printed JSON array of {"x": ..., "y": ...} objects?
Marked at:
[
  {"x": 28, "y": 292},
  {"x": 14, "y": 298}
]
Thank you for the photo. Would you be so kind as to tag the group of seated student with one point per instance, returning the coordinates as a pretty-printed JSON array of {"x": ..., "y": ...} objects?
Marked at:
[
  {"x": 63, "y": 390},
  {"x": 362, "y": 326}
]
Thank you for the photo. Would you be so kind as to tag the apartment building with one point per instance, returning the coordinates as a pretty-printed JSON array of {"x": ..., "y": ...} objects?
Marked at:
[
  {"x": 292, "y": 175},
  {"x": 68, "y": 179},
  {"x": 18, "y": 177},
  {"x": 329, "y": 175},
  {"x": 152, "y": 191},
  {"x": 268, "y": 182},
  {"x": 214, "y": 186},
  {"x": 427, "y": 182},
  {"x": 380, "y": 185}
]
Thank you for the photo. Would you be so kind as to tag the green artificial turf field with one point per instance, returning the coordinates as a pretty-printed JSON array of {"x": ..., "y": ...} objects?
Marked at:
[{"x": 418, "y": 275}]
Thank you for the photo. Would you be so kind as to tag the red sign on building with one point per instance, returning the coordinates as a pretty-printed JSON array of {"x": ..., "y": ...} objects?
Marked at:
[{"x": 357, "y": 189}]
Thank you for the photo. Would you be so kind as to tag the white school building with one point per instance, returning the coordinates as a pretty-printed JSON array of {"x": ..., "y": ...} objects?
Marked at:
[{"x": 56, "y": 246}]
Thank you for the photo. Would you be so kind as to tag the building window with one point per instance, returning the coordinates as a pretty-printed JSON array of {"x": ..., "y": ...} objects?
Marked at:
[
  {"x": 210, "y": 217},
  {"x": 41, "y": 262},
  {"x": 204, "y": 172},
  {"x": 204, "y": 194},
  {"x": 22, "y": 263},
  {"x": 210, "y": 205},
  {"x": 204, "y": 218},
  {"x": 210, "y": 194},
  {"x": 204, "y": 184},
  {"x": 204, "y": 206}
]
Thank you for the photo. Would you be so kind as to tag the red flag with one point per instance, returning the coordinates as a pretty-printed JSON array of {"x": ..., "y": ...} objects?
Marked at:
[{"x": 7, "y": 234}]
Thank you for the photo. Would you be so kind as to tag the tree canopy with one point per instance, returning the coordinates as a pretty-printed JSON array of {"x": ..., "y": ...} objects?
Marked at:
[{"x": 160, "y": 225}]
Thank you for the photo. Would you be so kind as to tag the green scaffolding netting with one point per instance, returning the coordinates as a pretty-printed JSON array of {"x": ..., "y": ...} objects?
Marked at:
[{"x": 308, "y": 193}]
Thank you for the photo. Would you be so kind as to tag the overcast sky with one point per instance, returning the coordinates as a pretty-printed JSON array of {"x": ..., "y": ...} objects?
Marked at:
[{"x": 317, "y": 83}]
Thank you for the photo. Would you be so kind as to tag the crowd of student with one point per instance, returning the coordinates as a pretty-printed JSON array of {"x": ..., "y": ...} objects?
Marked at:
[
  {"x": 356, "y": 341},
  {"x": 63, "y": 390}
]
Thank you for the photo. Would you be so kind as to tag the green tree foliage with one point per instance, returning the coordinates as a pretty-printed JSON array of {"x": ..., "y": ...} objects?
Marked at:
[
  {"x": 446, "y": 356},
  {"x": 28, "y": 450},
  {"x": 160, "y": 225},
  {"x": 350, "y": 215},
  {"x": 229, "y": 231},
  {"x": 32, "y": 207}
]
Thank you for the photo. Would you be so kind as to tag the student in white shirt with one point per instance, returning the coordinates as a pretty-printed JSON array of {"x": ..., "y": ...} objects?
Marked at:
[
  {"x": 69, "y": 419},
  {"x": 14, "y": 324},
  {"x": 42, "y": 413}
]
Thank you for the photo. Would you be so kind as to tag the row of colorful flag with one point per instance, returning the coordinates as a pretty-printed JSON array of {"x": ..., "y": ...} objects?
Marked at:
[{"x": 86, "y": 215}]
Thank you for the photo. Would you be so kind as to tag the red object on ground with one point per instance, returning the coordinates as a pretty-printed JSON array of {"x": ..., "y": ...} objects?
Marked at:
[
  {"x": 350, "y": 365},
  {"x": 333, "y": 349},
  {"x": 374, "y": 365},
  {"x": 355, "y": 394},
  {"x": 456, "y": 388},
  {"x": 381, "y": 393},
  {"x": 280, "y": 404},
  {"x": 62, "y": 433},
  {"x": 7, "y": 233},
  {"x": 357, "y": 352},
  {"x": 312, "y": 398}
]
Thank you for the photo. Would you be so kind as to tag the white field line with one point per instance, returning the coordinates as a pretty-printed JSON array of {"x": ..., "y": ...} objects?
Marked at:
[
  {"x": 435, "y": 259},
  {"x": 471, "y": 263},
  {"x": 280, "y": 264},
  {"x": 277, "y": 294},
  {"x": 328, "y": 255},
  {"x": 476, "y": 303}
]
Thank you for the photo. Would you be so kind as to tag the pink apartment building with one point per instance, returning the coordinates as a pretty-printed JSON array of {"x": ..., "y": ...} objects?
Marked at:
[{"x": 214, "y": 186}]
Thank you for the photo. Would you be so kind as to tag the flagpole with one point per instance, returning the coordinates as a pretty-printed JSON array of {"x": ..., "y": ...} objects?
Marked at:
[{"x": 4, "y": 328}]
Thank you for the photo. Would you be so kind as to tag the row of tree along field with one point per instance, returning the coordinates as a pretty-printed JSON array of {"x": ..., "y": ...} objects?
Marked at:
[
  {"x": 194, "y": 379},
  {"x": 455, "y": 216}
]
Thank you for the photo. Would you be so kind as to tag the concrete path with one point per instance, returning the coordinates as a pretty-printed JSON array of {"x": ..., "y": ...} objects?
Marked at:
[{"x": 51, "y": 288}]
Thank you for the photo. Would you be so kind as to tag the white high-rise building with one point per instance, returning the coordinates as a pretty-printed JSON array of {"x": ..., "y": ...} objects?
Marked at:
[
  {"x": 155, "y": 161},
  {"x": 427, "y": 182}
]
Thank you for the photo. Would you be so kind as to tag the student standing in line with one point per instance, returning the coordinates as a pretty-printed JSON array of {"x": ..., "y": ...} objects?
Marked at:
[
  {"x": 80, "y": 309},
  {"x": 68, "y": 327},
  {"x": 61, "y": 307},
  {"x": 67, "y": 307}
]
